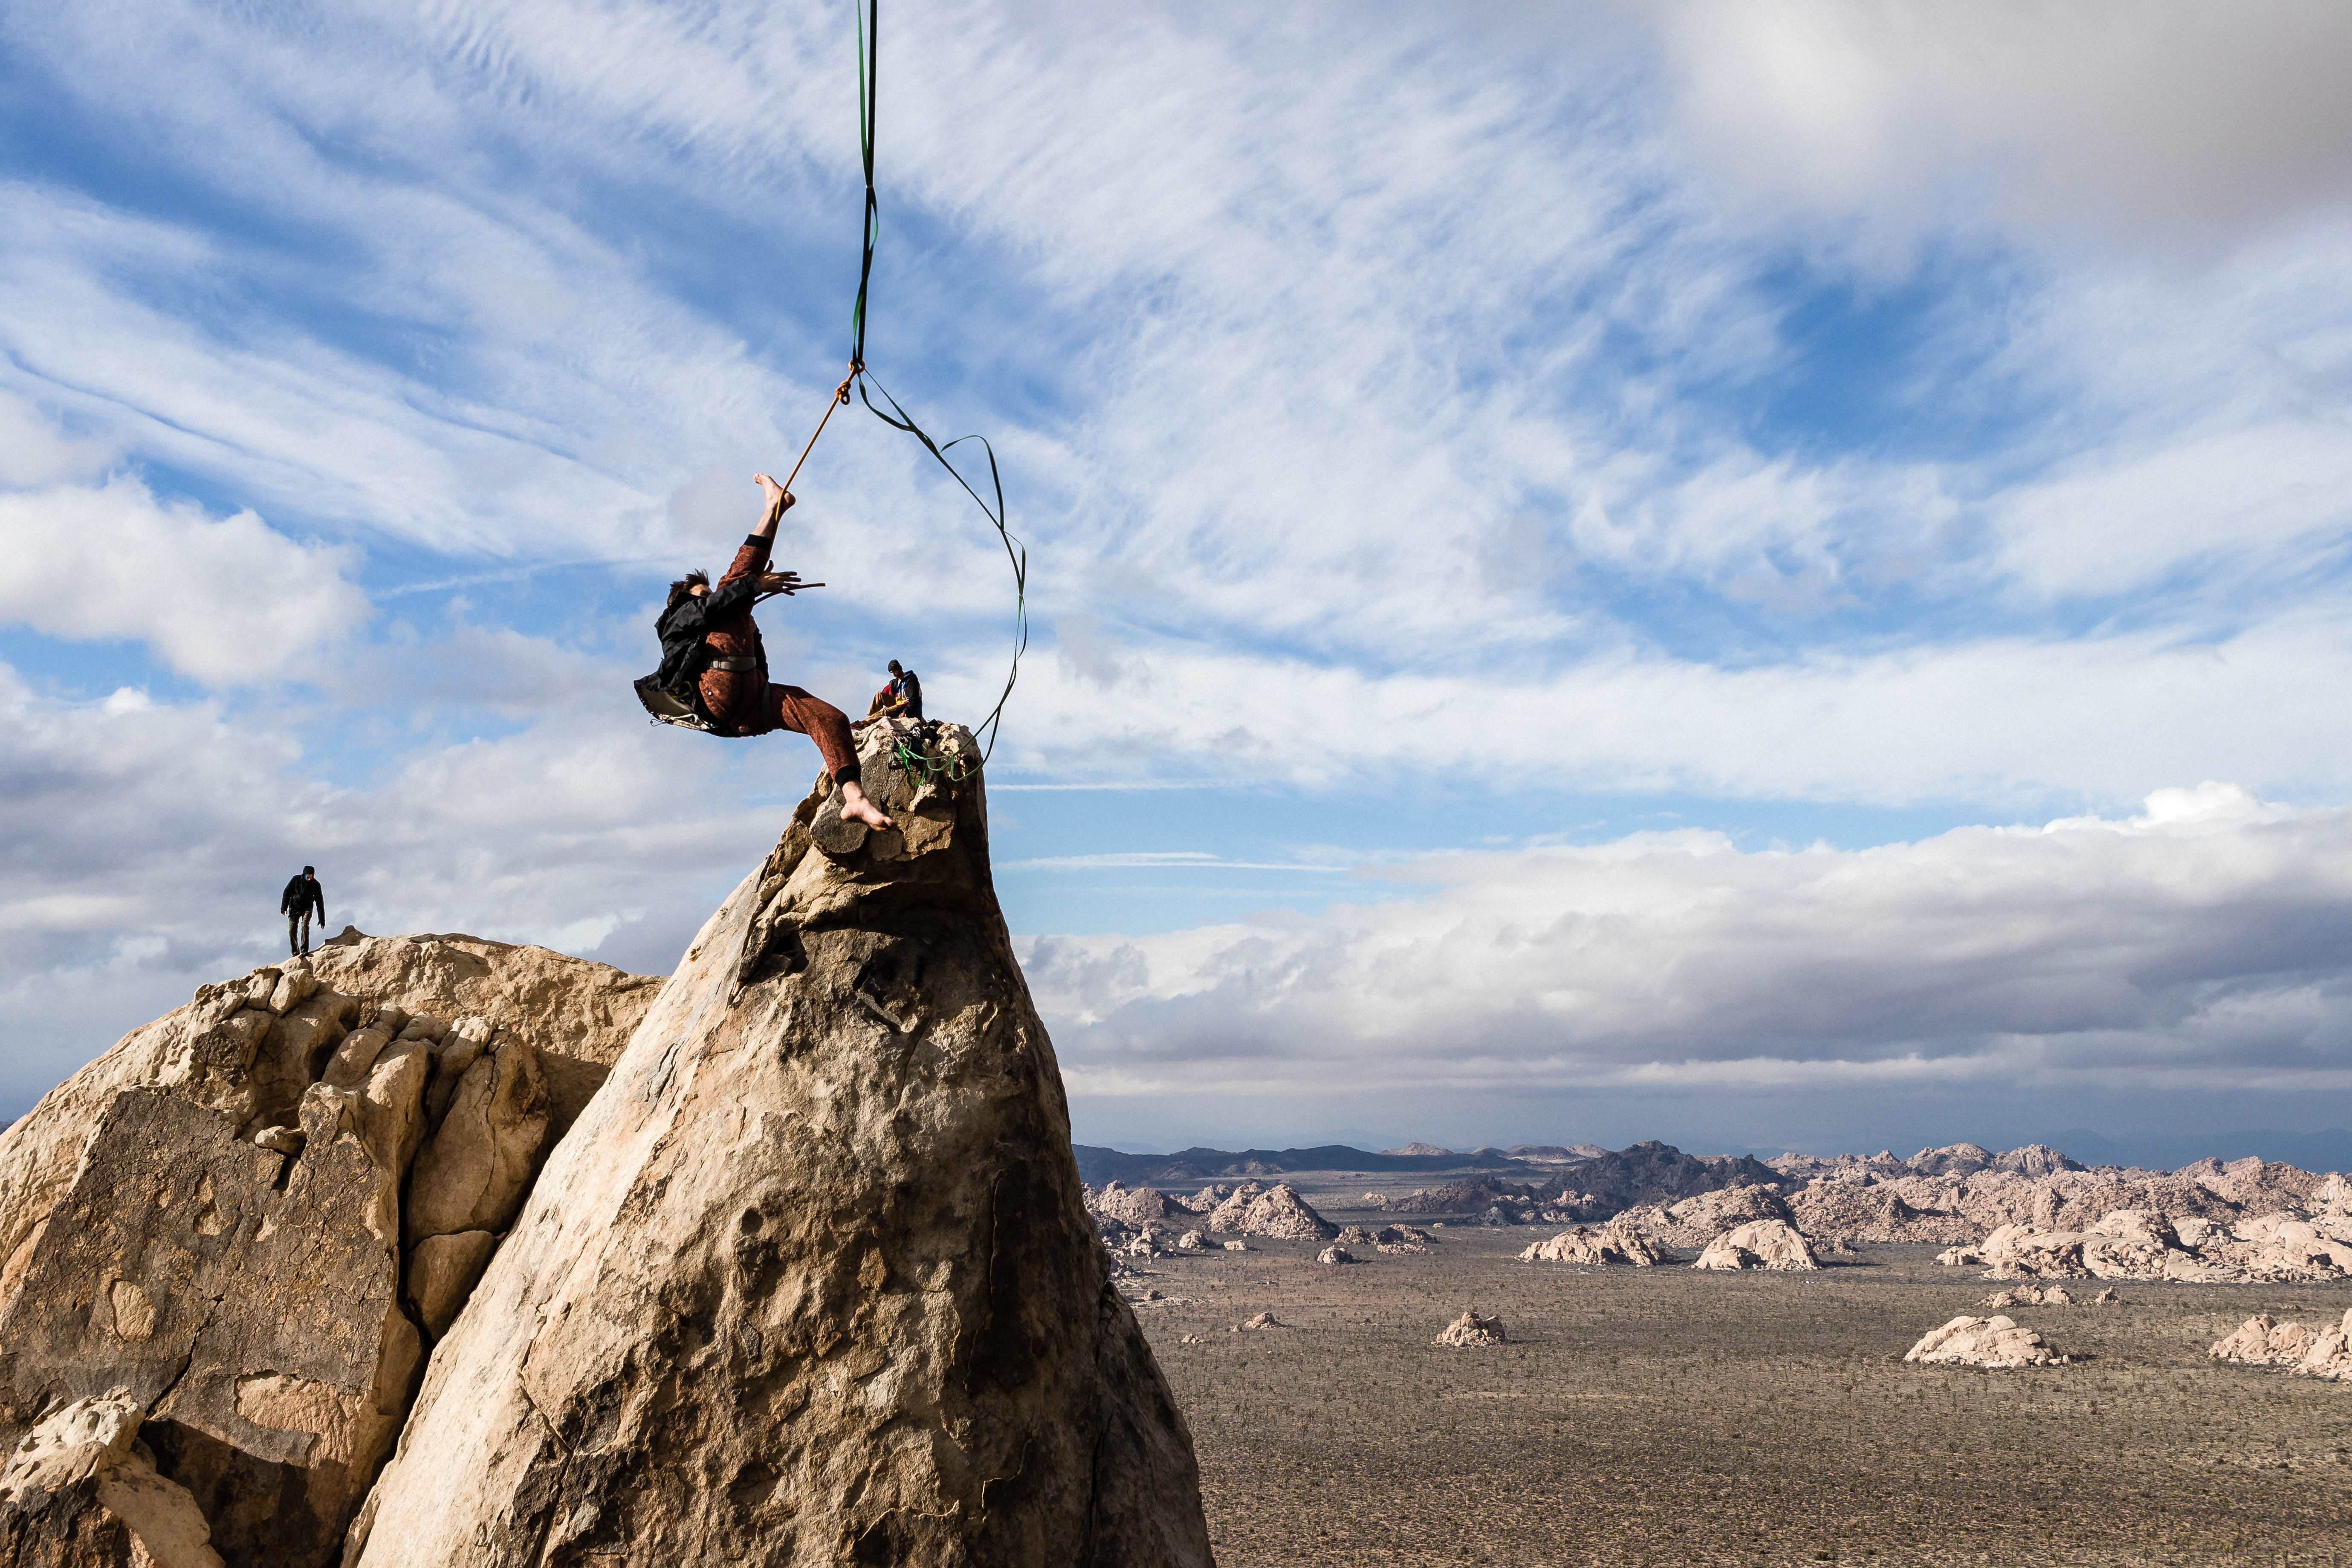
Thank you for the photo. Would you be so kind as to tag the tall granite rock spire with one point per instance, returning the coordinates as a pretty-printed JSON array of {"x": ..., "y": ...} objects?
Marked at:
[{"x": 811, "y": 1280}]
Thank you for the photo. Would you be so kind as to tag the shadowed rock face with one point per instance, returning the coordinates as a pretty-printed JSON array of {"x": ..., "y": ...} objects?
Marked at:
[{"x": 811, "y": 1280}]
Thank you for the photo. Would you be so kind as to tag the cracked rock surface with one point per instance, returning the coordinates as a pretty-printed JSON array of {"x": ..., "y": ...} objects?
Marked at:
[{"x": 811, "y": 1281}]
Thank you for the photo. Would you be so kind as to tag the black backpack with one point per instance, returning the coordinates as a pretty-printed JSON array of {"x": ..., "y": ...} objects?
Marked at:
[{"x": 670, "y": 693}]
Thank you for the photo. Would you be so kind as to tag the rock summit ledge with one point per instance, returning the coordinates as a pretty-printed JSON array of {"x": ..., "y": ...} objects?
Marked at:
[{"x": 783, "y": 1260}]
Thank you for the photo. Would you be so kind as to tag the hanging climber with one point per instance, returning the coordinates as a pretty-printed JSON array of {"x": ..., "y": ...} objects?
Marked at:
[{"x": 731, "y": 695}]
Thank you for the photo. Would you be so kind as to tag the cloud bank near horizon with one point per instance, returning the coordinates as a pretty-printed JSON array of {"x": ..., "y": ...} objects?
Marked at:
[{"x": 2197, "y": 949}]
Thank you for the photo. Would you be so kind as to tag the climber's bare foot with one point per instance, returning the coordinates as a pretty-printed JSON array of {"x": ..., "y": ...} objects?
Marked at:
[
  {"x": 857, "y": 808},
  {"x": 779, "y": 500}
]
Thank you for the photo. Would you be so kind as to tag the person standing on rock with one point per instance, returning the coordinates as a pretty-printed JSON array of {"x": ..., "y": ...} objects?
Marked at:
[
  {"x": 736, "y": 694},
  {"x": 302, "y": 895}
]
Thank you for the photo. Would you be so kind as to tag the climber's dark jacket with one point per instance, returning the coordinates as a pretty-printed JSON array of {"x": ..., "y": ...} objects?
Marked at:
[{"x": 303, "y": 893}]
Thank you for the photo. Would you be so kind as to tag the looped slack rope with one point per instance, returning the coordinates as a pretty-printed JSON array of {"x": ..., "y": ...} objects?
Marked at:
[{"x": 869, "y": 23}]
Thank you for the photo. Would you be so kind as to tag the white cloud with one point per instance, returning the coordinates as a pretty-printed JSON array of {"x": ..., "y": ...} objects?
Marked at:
[
  {"x": 224, "y": 600},
  {"x": 2016, "y": 719},
  {"x": 2174, "y": 117},
  {"x": 2203, "y": 943},
  {"x": 34, "y": 451}
]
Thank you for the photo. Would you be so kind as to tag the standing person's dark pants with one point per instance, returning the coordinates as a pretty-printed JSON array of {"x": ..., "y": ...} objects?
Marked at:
[{"x": 300, "y": 900}]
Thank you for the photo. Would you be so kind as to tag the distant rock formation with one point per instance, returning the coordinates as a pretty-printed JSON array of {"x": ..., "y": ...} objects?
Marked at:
[
  {"x": 813, "y": 1279},
  {"x": 1993, "y": 1343},
  {"x": 1141, "y": 1221},
  {"x": 1517, "y": 1200},
  {"x": 1771, "y": 1244},
  {"x": 1277, "y": 1211},
  {"x": 1655, "y": 1173},
  {"x": 1952, "y": 1159},
  {"x": 1954, "y": 1196},
  {"x": 1615, "y": 1242},
  {"x": 1960, "y": 1194},
  {"x": 1134, "y": 1207},
  {"x": 2325, "y": 1351},
  {"x": 1396, "y": 1240},
  {"x": 1471, "y": 1330},
  {"x": 2043, "y": 1296},
  {"x": 2143, "y": 1244},
  {"x": 1695, "y": 1221},
  {"x": 250, "y": 1217}
]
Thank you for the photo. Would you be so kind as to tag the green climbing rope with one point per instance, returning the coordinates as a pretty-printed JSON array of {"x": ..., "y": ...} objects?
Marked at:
[
  {"x": 869, "y": 51},
  {"x": 922, "y": 765}
]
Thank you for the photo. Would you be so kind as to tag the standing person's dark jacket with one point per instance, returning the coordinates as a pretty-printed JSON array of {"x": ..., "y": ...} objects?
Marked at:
[{"x": 301, "y": 892}]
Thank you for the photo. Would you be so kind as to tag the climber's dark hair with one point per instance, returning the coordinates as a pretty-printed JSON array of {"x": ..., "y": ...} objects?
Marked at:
[{"x": 677, "y": 590}]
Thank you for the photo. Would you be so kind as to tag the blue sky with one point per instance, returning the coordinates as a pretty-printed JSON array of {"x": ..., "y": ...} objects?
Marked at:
[{"x": 1752, "y": 574}]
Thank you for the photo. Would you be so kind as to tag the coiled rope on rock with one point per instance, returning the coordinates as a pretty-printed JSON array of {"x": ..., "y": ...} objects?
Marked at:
[{"x": 869, "y": 23}]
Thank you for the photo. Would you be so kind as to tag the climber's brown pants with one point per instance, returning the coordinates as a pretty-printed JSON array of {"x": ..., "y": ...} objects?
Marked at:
[{"x": 726, "y": 694}]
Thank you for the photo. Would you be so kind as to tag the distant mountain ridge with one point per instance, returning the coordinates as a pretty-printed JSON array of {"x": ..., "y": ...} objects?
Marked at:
[
  {"x": 1654, "y": 1170},
  {"x": 1098, "y": 1166}
]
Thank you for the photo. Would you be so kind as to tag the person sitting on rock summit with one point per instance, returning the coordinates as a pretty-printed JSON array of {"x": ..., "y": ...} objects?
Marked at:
[
  {"x": 733, "y": 689},
  {"x": 301, "y": 895},
  {"x": 901, "y": 698}
]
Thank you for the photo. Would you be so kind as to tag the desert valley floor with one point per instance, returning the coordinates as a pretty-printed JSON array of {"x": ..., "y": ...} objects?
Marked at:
[{"x": 1668, "y": 1416}]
